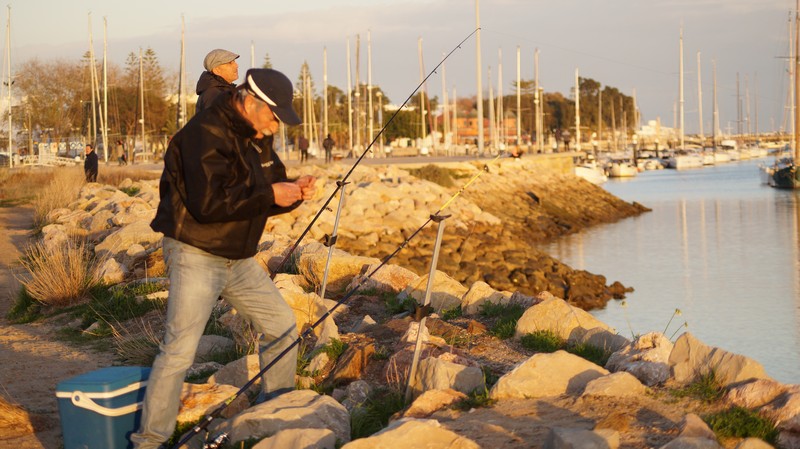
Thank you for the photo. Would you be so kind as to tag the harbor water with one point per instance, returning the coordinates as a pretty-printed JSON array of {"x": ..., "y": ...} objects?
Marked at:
[{"x": 719, "y": 247}]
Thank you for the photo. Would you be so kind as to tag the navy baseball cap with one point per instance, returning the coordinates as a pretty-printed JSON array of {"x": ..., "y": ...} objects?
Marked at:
[{"x": 274, "y": 88}]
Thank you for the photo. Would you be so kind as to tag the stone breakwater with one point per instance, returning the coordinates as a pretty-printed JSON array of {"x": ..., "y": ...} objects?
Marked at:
[{"x": 548, "y": 400}]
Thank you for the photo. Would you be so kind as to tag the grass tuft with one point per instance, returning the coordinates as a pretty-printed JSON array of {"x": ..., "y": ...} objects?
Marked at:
[
  {"x": 435, "y": 174},
  {"x": 61, "y": 190},
  {"x": 506, "y": 316},
  {"x": 374, "y": 414},
  {"x": 738, "y": 422},
  {"x": 453, "y": 313},
  {"x": 542, "y": 341},
  {"x": 478, "y": 398},
  {"x": 25, "y": 310},
  {"x": 60, "y": 277},
  {"x": 706, "y": 388}
]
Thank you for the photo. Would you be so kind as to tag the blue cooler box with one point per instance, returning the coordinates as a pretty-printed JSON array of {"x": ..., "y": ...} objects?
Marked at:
[{"x": 100, "y": 409}]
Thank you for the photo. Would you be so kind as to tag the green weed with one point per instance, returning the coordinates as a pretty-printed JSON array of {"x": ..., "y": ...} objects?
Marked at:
[
  {"x": 598, "y": 356},
  {"x": 335, "y": 348},
  {"x": 507, "y": 316},
  {"x": 25, "y": 309},
  {"x": 451, "y": 314},
  {"x": 435, "y": 174},
  {"x": 542, "y": 341},
  {"x": 738, "y": 422},
  {"x": 131, "y": 191},
  {"x": 476, "y": 399},
  {"x": 706, "y": 388},
  {"x": 374, "y": 414},
  {"x": 395, "y": 305}
]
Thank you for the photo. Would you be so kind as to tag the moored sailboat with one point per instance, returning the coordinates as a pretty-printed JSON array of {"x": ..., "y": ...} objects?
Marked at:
[{"x": 788, "y": 177}]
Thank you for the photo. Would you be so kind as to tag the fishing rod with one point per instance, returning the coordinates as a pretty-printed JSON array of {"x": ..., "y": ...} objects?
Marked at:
[
  {"x": 436, "y": 216},
  {"x": 364, "y": 153}
]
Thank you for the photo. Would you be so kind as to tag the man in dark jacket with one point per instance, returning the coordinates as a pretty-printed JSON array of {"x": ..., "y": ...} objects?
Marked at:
[
  {"x": 90, "y": 164},
  {"x": 221, "y": 71},
  {"x": 217, "y": 190}
]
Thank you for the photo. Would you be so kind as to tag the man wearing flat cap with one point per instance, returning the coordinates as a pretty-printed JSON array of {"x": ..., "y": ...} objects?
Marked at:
[
  {"x": 221, "y": 71},
  {"x": 221, "y": 181}
]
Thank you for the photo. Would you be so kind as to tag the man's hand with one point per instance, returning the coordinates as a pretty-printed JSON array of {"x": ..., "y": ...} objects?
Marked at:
[
  {"x": 286, "y": 193},
  {"x": 307, "y": 186}
]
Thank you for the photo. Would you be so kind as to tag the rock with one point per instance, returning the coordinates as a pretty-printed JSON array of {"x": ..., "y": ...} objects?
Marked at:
[
  {"x": 352, "y": 363},
  {"x": 411, "y": 334},
  {"x": 299, "y": 409},
  {"x": 308, "y": 308},
  {"x": 753, "y": 443},
  {"x": 691, "y": 443},
  {"x": 691, "y": 359},
  {"x": 390, "y": 278},
  {"x": 561, "y": 438},
  {"x": 318, "y": 362},
  {"x": 203, "y": 369},
  {"x": 603, "y": 339},
  {"x": 479, "y": 293},
  {"x": 693, "y": 426},
  {"x": 446, "y": 292},
  {"x": 212, "y": 344},
  {"x": 431, "y": 401},
  {"x": 362, "y": 324},
  {"x": 413, "y": 433},
  {"x": 342, "y": 269},
  {"x": 545, "y": 375},
  {"x": 615, "y": 385},
  {"x": 299, "y": 438},
  {"x": 557, "y": 316},
  {"x": 356, "y": 394},
  {"x": 199, "y": 400},
  {"x": 757, "y": 393},
  {"x": 133, "y": 254},
  {"x": 112, "y": 272},
  {"x": 122, "y": 239},
  {"x": 647, "y": 358},
  {"x": 436, "y": 374},
  {"x": 238, "y": 373}
]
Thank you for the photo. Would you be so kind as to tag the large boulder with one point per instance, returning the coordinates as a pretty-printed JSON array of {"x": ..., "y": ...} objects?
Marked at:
[
  {"x": 413, "y": 433},
  {"x": 437, "y": 374},
  {"x": 446, "y": 292},
  {"x": 690, "y": 359},
  {"x": 389, "y": 278},
  {"x": 555, "y": 315},
  {"x": 647, "y": 358},
  {"x": 546, "y": 375},
  {"x": 431, "y": 401},
  {"x": 238, "y": 373},
  {"x": 566, "y": 438},
  {"x": 119, "y": 241},
  {"x": 299, "y": 438},
  {"x": 615, "y": 385},
  {"x": 480, "y": 293},
  {"x": 342, "y": 269},
  {"x": 299, "y": 409},
  {"x": 199, "y": 400}
]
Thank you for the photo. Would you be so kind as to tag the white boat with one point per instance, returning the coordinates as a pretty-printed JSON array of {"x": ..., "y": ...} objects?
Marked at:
[
  {"x": 708, "y": 158},
  {"x": 622, "y": 169},
  {"x": 649, "y": 163},
  {"x": 721, "y": 157},
  {"x": 681, "y": 160},
  {"x": 591, "y": 172}
]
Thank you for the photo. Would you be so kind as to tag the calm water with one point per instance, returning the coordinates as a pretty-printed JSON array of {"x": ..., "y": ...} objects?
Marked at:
[{"x": 719, "y": 246}]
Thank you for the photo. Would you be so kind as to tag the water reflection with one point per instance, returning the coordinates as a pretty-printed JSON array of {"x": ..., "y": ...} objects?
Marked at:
[{"x": 734, "y": 272}]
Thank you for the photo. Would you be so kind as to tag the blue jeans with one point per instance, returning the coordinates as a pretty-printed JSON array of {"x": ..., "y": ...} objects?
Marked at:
[{"x": 197, "y": 279}]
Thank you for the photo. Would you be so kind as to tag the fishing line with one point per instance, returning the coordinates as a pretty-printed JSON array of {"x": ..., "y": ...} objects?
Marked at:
[
  {"x": 309, "y": 331},
  {"x": 367, "y": 150}
]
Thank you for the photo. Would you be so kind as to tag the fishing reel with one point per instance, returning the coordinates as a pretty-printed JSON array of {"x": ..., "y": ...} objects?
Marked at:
[{"x": 217, "y": 442}]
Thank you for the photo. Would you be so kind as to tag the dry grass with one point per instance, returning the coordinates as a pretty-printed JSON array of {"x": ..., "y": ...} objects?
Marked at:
[
  {"x": 136, "y": 342},
  {"x": 14, "y": 421},
  {"x": 62, "y": 189},
  {"x": 115, "y": 175},
  {"x": 20, "y": 186},
  {"x": 62, "y": 277}
]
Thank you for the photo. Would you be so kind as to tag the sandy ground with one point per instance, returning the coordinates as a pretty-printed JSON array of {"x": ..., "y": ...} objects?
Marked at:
[{"x": 32, "y": 362}]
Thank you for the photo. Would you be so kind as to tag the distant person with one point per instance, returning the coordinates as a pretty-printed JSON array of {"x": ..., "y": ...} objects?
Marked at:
[
  {"x": 221, "y": 71},
  {"x": 328, "y": 144},
  {"x": 302, "y": 144},
  {"x": 122, "y": 158},
  {"x": 90, "y": 164}
]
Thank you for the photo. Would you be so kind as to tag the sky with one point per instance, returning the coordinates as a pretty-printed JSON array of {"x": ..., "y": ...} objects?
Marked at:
[{"x": 632, "y": 45}]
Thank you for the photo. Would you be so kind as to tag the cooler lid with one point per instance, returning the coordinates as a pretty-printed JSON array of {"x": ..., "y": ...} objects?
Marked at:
[{"x": 107, "y": 379}]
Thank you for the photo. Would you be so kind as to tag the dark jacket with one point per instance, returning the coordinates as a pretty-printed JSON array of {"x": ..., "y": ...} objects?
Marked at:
[
  {"x": 216, "y": 189},
  {"x": 90, "y": 167},
  {"x": 209, "y": 86}
]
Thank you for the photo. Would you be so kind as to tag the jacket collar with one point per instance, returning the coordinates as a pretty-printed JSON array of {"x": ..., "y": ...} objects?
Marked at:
[{"x": 239, "y": 124}]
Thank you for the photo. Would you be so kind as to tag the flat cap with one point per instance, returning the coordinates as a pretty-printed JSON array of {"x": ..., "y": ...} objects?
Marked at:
[{"x": 218, "y": 57}]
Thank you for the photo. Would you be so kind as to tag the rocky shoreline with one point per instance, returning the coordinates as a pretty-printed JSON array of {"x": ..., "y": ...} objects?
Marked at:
[{"x": 533, "y": 398}]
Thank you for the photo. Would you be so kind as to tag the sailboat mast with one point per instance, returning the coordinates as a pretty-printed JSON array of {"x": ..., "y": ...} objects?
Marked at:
[
  {"x": 445, "y": 106},
  {"x": 501, "y": 124},
  {"x": 715, "y": 118},
  {"x": 371, "y": 112},
  {"x": 537, "y": 102},
  {"x": 141, "y": 100},
  {"x": 349, "y": 99},
  {"x": 105, "y": 88},
  {"x": 423, "y": 134},
  {"x": 700, "y": 100},
  {"x": 479, "y": 75},
  {"x": 796, "y": 81},
  {"x": 93, "y": 84},
  {"x": 325, "y": 91},
  {"x": 519, "y": 100},
  {"x": 8, "y": 64},
  {"x": 680, "y": 90},
  {"x": 577, "y": 111},
  {"x": 182, "y": 78},
  {"x": 492, "y": 141}
]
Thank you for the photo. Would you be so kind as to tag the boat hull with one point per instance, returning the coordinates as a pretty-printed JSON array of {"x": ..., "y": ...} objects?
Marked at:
[{"x": 786, "y": 178}]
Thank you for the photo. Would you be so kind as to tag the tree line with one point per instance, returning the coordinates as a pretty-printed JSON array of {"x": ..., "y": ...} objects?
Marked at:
[{"x": 56, "y": 104}]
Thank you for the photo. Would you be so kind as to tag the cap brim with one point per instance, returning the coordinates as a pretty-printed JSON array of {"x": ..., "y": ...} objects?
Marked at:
[{"x": 286, "y": 115}]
